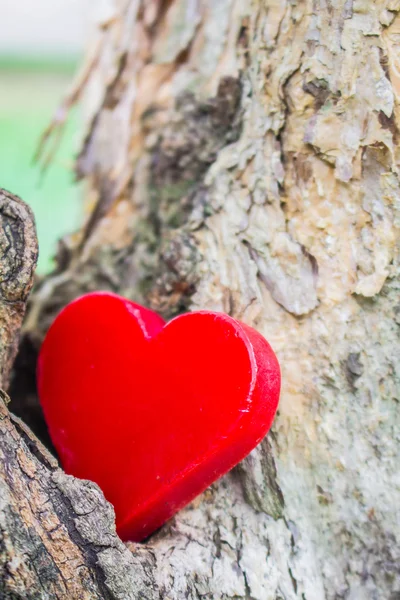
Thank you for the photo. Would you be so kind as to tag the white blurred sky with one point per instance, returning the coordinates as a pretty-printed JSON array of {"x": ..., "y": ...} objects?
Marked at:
[{"x": 46, "y": 26}]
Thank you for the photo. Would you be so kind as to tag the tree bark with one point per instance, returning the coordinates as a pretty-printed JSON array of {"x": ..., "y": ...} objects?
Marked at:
[
  {"x": 243, "y": 156},
  {"x": 18, "y": 256}
]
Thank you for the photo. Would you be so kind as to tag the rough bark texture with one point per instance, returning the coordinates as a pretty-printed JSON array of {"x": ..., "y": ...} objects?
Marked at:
[
  {"x": 18, "y": 256},
  {"x": 243, "y": 156},
  {"x": 57, "y": 533}
]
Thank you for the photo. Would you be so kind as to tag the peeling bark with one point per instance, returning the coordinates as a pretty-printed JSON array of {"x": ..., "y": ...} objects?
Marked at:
[{"x": 243, "y": 156}]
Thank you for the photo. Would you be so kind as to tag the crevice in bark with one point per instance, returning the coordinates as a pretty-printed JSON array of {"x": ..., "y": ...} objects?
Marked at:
[
  {"x": 259, "y": 480},
  {"x": 33, "y": 443},
  {"x": 25, "y": 403},
  {"x": 65, "y": 511}
]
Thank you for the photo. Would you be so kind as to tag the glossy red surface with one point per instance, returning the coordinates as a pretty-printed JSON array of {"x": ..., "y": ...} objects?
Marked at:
[{"x": 153, "y": 413}]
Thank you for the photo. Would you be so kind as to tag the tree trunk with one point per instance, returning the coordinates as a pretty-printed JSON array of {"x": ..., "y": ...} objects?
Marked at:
[{"x": 242, "y": 156}]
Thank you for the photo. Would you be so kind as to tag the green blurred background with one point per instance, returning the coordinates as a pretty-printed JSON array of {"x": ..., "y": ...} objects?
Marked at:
[
  {"x": 41, "y": 44},
  {"x": 33, "y": 90}
]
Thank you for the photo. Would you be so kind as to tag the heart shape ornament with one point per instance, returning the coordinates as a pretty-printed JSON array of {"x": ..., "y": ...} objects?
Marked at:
[{"x": 153, "y": 412}]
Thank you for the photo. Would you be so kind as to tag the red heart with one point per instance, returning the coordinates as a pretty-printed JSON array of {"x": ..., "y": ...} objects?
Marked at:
[{"x": 153, "y": 413}]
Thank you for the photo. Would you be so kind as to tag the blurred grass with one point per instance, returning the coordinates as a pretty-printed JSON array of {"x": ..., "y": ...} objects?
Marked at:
[{"x": 31, "y": 90}]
